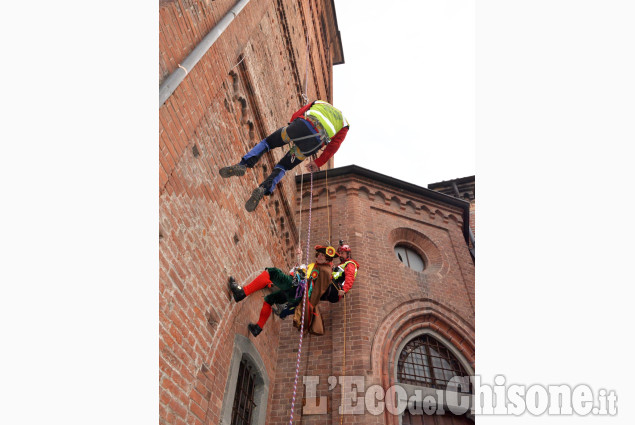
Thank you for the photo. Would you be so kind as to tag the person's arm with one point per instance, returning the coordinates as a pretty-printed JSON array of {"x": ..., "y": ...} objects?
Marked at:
[
  {"x": 349, "y": 277},
  {"x": 331, "y": 148}
]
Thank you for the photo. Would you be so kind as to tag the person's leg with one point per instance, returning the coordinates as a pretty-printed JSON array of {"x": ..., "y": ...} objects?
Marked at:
[
  {"x": 298, "y": 132},
  {"x": 265, "y": 312},
  {"x": 296, "y": 129},
  {"x": 273, "y": 298},
  {"x": 274, "y": 140},
  {"x": 258, "y": 283},
  {"x": 251, "y": 158},
  {"x": 289, "y": 308},
  {"x": 279, "y": 278},
  {"x": 266, "y": 188},
  {"x": 331, "y": 294}
]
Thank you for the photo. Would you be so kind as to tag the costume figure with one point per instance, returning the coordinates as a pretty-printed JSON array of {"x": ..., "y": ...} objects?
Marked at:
[
  {"x": 318, "y": 281},
  {"x": 342, "y": 279},
  {"x": 288, "y": 292}
]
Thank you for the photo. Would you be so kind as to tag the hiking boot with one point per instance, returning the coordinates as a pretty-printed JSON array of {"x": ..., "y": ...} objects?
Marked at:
[
  {"x": 233, "y": 170},
  {"x": 237, "y": 291},
  {"x": 256, "y": 196},
  {"x": 254, "y": 329}
]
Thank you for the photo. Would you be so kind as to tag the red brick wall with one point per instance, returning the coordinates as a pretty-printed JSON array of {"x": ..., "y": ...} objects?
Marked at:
[
  {"x": 473, "y": 217},
  {"x": 389, "y": 301},
  {"x": 222, "y": 109}
]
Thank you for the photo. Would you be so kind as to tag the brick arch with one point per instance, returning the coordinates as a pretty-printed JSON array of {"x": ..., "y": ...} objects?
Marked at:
[
  {"x": 407, "y": 315},
  {"x": 363, "y": 192},
  {"x": 379, "y": 194},
  {"x": 341, "y": 188},
  {"x": 396, "y": 200},
  {"x": 439, "y": 213},
  {"x": 419, "y": 242},
  {"x": 428, "y": 210},
  {"x": 456, "y": 220},
  {"x": 411, "y": 207},
  {"x": 319, "y": 192}
]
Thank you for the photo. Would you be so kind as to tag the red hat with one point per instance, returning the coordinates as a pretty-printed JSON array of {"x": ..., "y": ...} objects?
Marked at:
[
  {"x": 329, "y": 251},
  {"x": 344, "y": 248}
]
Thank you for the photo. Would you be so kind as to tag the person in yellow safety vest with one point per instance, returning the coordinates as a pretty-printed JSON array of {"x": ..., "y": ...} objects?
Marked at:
[
  {"x": 313, "y": 126},
  {"x": 343, "y": 275}
]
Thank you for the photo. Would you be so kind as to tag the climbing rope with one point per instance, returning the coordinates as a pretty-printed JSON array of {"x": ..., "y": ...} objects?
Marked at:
[
  {"x": 328, "y": 212},
  {"x": 300, "y": 226},
  {"x": 305, "y": 98},
  {"x": 304, "y": 300},
  {"x": 344, "y": 365}
]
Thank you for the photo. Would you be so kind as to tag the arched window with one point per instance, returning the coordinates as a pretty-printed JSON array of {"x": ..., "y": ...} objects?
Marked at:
[
  {"x": 424, "y": 361},
  {"x": 409, "y": 257}
]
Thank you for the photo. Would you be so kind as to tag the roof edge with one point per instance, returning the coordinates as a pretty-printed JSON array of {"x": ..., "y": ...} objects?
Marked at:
[{"x": 391, "y": 181}]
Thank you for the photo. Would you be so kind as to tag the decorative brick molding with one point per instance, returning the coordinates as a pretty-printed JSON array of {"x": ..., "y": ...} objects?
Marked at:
[
  {"x": 408, "y": 319},
  {"x": 421, "y": 244},
  {"x": 404, "y": 316}
]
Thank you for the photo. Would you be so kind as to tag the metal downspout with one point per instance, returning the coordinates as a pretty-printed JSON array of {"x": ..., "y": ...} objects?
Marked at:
[
  {"x": 172, "y": 82},
  {"x": 469, "y": 229}
]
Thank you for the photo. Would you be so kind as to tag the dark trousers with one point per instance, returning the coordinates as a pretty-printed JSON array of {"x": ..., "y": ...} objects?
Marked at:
[
  {"x": 298, "y": 128},
  {"x": 331, "y": 294},
  {"x": 284, "y": 282}
]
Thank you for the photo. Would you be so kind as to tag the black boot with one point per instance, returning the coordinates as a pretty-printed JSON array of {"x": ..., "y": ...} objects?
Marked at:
[
  {"x": 237, "y": 291},
  {"x": 254, "y": 329}
]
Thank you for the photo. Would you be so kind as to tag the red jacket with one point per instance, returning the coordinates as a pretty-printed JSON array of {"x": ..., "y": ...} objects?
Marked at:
[
  {"x": 349, "y": 274},
  {"x": 333, "y": 145}
]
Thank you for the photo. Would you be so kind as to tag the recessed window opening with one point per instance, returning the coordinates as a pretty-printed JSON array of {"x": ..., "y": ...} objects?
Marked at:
[
  {"x": 244, "y": 404},
  {"x": 426, "y": 362},
  {"x": 409, "y": 257}
]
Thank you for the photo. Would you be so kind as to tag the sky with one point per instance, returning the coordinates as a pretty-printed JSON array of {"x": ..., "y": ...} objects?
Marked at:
[{"x": 407, "y": 88}]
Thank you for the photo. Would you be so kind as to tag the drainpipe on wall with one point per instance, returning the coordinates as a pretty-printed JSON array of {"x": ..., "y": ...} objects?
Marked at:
[
  {"x": 172, "y": 82},
  {"x": 469, "y": 229}
]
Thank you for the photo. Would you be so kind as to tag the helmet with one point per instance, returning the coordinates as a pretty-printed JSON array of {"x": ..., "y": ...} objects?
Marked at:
[{"x": 345, "y": 248}]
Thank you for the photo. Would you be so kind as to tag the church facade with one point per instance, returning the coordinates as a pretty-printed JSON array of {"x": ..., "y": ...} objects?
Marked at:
[{"x": 406, "y": 327}]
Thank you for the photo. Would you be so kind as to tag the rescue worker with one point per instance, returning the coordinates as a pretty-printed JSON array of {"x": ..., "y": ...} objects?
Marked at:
[
  {"x": 313, "y": 126},
  {"x": 343, "y": 275}
]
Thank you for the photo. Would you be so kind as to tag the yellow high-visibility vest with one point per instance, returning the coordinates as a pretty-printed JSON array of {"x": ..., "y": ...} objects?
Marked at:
[{"x": 329, "y": 116}]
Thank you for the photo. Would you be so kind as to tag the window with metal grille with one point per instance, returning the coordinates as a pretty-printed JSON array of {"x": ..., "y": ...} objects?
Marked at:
[
  {"x": 426, "y": 362},
  {"x": 244, "y": 399}
]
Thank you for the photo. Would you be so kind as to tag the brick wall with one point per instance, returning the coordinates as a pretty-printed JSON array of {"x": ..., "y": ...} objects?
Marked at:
[
  {"x": 246, "y": 86},
  {"x": 389, "y": 301}
]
